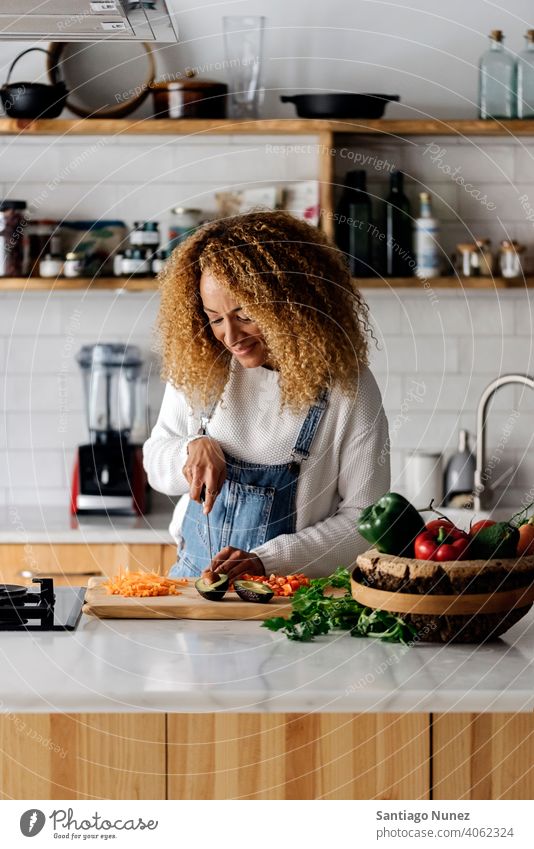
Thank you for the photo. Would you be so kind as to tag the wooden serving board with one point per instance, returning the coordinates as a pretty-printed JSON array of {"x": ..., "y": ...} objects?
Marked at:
[{"x": 188, "y": 605}]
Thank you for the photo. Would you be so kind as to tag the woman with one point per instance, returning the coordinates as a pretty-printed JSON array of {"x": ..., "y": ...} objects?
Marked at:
[{"x": 271, "y": 420}]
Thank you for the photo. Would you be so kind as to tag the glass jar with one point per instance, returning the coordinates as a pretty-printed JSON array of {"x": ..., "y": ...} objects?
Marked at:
[
  {"x": 135, "y": 263},
  {"x": 73, "y": 265},
  {"x": 145, "y": 234},
  {"x": 485, "y": 257},
  {"x": 13, "y": 223},
  {"x": 510, "y": 259},
  {"x": 469, "y": 266},
  {"x": 43, "y": 238},
  {"x": 184, "y": 223},
  {"x": 50, "y": 265},
  {"x": 159, "y": 259}
]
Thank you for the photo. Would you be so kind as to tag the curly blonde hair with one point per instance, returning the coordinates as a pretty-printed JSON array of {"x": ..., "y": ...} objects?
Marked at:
[{"x": 291, "y": 281}]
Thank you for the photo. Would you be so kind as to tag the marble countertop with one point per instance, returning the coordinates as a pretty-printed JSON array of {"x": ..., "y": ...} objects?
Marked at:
[
  {"x": 183, "y": 666},
  {"x": 43, "y": 524}
]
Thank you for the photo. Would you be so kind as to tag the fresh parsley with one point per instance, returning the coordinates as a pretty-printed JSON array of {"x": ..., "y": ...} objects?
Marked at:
[{"x": 314, "y": 612}]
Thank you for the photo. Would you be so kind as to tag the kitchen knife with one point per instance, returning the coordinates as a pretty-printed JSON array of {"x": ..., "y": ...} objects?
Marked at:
[{"x": 207, "y": 517}]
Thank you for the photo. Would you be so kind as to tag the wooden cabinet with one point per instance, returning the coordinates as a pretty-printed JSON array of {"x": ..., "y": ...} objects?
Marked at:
[
  {"x": 75, "y": 563},
  {"x": 483, "y": 756},
  {"x": 82, "y": 756},
  {"x": 298, "y": 756},
  {"x": 266, "y": 756}
]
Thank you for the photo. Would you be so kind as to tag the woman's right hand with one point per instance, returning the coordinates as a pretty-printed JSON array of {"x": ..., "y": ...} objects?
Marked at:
[{"x": 205, "y": 467}]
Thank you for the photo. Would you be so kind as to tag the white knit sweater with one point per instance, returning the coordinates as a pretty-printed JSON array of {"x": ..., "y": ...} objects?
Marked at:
[{"x": 348, "y": 466}]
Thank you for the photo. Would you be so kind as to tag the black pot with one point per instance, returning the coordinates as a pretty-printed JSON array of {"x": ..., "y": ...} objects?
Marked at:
[
  {"x": 32, "y": 100},
  {"x": 340, "y": 105}
]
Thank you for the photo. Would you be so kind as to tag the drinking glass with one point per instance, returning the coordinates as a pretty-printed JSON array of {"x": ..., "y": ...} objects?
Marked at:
[{"x": 243, "y": 41}]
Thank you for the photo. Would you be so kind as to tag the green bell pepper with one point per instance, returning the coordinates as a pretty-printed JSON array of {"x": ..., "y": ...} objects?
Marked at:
[{"x": 391, "y": 525}]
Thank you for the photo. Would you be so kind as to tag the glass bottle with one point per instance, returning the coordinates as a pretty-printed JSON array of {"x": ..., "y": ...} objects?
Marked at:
[
  {"x": 497, "y": 80},
  {"x": 427, "y": 250},
  {"x": 399, "y": 251},
  {"x": 355, "y": 224},
  {"x": 525, "y": 78}
]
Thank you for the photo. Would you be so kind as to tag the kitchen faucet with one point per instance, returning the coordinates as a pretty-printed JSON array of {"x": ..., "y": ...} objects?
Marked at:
[{"x": 482, "y": 493}]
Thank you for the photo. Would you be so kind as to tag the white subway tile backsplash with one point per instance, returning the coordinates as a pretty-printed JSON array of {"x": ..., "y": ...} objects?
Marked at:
[
  {"x": 432, "y": 431},
  {"x": 44, "y": 430},
  {"x": 495, "y": 356},
  {"x": 43, "y": 393},
  {"x": 414, "y": 355},
  {"x": 503, "y": 203},
  {"x": 29, "y": 314},
  {"x": 524, "y": 161},
  {"x": 384, "y": 311},
  {"x": 35, "y": 469},
  {"x": 490, "y": 314},
  {"x": 41, "y": 496},
  {"x": 34, "y": 354},
  {"x": 524, "y": 314}
]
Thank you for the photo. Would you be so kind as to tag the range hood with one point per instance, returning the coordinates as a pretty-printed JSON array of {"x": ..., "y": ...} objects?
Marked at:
[{"x": 86, "y": 20}]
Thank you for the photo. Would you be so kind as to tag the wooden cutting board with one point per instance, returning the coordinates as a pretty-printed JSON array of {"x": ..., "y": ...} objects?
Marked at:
[{"x": 188, "y": 605}]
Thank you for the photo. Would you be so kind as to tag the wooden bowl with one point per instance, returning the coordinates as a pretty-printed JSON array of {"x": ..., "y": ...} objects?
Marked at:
[{"x": 466, "y": 601}]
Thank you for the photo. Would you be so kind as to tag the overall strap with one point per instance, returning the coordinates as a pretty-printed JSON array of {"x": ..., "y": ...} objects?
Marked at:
[
  {"x": 301, "y": 450},
  {"x": 205, "y": 417}
]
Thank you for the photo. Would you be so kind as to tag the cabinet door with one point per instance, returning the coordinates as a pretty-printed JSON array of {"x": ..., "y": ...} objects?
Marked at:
[
  {"x": 82, "y": 756},
  {"x": 73, "y": 564},
  {"x": 294, "y": 756},
  {"x": 483, "y": 756},
  {"x": 168, "y": 558}
]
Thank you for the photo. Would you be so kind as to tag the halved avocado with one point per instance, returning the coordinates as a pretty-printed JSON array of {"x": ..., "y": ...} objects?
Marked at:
[
  {"x": 215, "y": 591},
  {"x": 253, "y": 591}
]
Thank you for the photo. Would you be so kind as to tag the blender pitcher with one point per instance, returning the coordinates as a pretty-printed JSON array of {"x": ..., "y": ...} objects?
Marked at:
[{"x": 109, "y": 474}]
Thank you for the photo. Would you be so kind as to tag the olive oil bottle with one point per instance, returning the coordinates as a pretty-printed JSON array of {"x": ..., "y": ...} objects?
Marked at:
[
  {"x": 354, "y": 230},
  {"x": 399, "y": 229}
]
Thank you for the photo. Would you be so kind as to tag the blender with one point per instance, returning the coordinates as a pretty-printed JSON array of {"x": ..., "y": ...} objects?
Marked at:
[{"x": 108, "y": 474}]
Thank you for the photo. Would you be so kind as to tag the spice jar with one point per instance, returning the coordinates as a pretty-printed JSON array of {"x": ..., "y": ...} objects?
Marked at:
[
  {"x": 43, "y": 238},
  {"x": 135, "y": 262},
  {"x": 50, "y": 266},
  {"x": 73, "y": 265},
  {"x": 485, "y": 257},
  {"x": 159, "y": 259},
  {"x": 469, "y": 259},
  {"x": 12, "y": 225},
  {"x": 145, "y": 234},
  {"x": 185, "y": 223},
  {"x": 510, "y": 258}
]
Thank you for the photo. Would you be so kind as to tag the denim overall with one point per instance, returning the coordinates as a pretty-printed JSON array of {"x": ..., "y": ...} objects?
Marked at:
[{"x": 256, "y": 503}]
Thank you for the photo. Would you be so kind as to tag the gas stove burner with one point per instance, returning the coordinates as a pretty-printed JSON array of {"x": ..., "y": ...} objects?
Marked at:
[
  {"x": 32, "y": 609},
  {"x": 9, "y": 591}
]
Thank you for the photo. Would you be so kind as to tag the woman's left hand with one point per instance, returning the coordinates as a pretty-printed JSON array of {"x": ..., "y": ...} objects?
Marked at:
[{"x": 235, "y": 562}]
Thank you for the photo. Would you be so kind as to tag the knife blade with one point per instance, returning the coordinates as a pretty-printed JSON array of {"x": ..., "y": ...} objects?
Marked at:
[{"x": 207, "y": 517}]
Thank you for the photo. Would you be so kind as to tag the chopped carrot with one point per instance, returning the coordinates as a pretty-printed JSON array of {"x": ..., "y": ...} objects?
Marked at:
[{"x": 143, "y": 585}]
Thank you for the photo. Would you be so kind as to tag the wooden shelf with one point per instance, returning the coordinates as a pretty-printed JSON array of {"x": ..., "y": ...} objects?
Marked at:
[
  {"x": 445, "y": 283},
  {"x": 264, "y": 126},
  {"x": 143, "y": 284},
  {"x": 46, "y": 284}
]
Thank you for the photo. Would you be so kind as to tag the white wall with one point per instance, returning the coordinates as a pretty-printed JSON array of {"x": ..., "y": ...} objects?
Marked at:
[{"x": 424, "y": 50}]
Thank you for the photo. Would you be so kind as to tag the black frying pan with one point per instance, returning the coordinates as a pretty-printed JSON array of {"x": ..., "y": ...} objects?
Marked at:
[{"x": 340, "y": 105}]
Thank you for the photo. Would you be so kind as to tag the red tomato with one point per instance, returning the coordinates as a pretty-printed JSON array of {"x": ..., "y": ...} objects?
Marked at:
[{"x": 483, "y": 523}]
